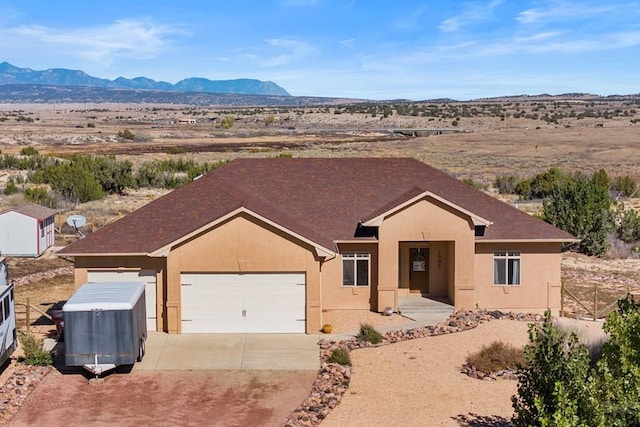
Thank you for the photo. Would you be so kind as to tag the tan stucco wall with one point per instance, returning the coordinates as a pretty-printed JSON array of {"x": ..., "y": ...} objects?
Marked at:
[
  {"x": 428, "y": 220},
  {"x": 133, "y": 263},
  {"x": 338, "y": 297},
  {"x": 243, "y": 244},
  {"x": 539, "y": 279}
]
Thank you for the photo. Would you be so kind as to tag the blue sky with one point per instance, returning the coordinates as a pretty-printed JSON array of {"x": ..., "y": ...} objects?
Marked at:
[{"x": 344, "y": 48}]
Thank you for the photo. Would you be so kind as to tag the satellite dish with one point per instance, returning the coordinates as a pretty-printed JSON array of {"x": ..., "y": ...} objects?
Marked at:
[{"x": 76, "y": 221}]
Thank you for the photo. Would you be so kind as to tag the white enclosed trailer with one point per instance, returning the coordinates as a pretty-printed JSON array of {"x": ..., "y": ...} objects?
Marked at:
[{"x": 105, "y": 325}]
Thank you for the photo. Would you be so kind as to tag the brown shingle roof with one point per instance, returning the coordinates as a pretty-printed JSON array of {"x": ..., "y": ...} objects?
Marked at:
[
  {"x": 320, "y": 199},
  {"x": 32, "y": 210}
]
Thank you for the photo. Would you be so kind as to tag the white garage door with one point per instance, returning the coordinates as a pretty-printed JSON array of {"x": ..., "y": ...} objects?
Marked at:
[
  {"x": 148, "y": 277},
  {"x": 243, "y": 303}
]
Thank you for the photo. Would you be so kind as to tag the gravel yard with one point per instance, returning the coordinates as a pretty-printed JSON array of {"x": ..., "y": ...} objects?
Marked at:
[{"x": 418, "y": 382}]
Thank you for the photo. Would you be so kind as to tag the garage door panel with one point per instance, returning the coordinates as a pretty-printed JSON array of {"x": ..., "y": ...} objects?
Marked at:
[{"x": 243, "y": 303}]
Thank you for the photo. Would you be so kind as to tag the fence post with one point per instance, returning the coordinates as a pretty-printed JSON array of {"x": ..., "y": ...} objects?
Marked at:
[
  {"x": 595, "y": 302},
  {"x": 28, "y": 312}
]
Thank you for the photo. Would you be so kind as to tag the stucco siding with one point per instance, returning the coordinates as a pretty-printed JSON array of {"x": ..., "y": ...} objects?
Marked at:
[
  {"x": 124, "y": 263},
  {"x": 243, "y": 244},
  {"x": 335, "y": 296},
  {"x": 540, "y": 280},
  {"x": 429, "y": 220}
]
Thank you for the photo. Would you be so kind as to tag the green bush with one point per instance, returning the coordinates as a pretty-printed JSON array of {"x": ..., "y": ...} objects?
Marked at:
[
  {"x": 475, "y": 184},
  {"x": 11, "y": 187},
  {"x": 40, "y": 196},
  {"x": 34, "y": 353},
  {"x": 175, "y": 150},
  {"x": 341, "y": 356},
  {"x": 561, "y": 386},
  {"x": 28, "y": 151},
  {"x": 496, "y": 356},
  {"x": 227, "y": 122},
  {"x": 369, "y": 334},
  {"x": 126, "y": 134},
  {"x": 554, "y": 385},
  {"x": 582, "y": 207},
  {"x": 628, "y": 229},
  {"x": 624, "y": 186},
  {"x": 506, "y": 184}
]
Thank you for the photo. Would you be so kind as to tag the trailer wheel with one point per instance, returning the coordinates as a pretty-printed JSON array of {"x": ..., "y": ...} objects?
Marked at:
[{"x": 141, "y": 350}]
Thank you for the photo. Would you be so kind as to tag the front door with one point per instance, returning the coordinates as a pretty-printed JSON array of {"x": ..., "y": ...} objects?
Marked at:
[{"x": 419, "y": 270}]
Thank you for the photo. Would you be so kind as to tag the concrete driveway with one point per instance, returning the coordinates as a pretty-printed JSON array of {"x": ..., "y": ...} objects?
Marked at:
[{"x": 230, "y": 352}]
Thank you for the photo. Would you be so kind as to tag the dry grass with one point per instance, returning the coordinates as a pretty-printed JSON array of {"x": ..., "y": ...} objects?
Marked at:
[{"x": 496, "y": 356}]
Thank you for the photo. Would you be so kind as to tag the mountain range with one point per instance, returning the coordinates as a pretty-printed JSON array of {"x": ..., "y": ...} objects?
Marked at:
[{"x": 12, "y": 75}]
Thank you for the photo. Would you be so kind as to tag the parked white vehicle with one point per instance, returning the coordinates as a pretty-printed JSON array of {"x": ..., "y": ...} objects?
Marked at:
[{"x": 8, "y": 333}]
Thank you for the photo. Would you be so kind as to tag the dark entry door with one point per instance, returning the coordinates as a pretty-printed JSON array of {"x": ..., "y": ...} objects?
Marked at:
[{"x": 419, "y": 270}]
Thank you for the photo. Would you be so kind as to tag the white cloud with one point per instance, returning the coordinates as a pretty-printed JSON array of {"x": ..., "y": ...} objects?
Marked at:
[
  {"x": 103, "y": 44},
  {"x": 286, "y": 51},
  {"x": 473, "y": 12},
  {"x": 561, "y": 11}
]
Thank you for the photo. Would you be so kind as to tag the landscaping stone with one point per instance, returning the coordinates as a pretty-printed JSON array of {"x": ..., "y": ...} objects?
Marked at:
[
  {"x": 332, "y": 381},
  {"x": 19, "y": 385}
]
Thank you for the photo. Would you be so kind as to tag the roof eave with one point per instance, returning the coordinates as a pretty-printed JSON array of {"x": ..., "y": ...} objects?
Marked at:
[
  {"x": 377, "y": 220},
  {"x": 543, "y": 240}
]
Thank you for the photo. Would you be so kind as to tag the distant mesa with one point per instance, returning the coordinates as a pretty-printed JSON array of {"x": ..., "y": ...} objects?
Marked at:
[{"x": 12, "y": 75}]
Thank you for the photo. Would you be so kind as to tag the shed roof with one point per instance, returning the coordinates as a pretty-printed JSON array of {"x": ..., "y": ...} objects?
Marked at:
[
  {"x": 323, "y": 200},
  {"x": 32, "y": 210}
]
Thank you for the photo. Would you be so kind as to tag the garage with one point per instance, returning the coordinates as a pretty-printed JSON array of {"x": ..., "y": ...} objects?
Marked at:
[
  {"x": 148, "y": 277},
  {"x": 243, "y": 303}
]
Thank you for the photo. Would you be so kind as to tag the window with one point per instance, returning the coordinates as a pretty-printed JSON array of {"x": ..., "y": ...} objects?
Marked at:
[
  {"x": 506, "y": 268},
  {"x": 355, "y": 269},
  {"x": 41, "y": 228}
]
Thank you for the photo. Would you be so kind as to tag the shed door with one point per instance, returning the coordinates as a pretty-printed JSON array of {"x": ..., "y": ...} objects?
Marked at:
[
  {"x": 243, "y": 303},
  {"x": 148, "y": 277}
]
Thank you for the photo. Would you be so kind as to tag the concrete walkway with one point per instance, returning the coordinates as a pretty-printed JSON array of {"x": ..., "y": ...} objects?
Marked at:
[
  {"x": 230, "y": 352},
  {"x": 422, "y": 312}
]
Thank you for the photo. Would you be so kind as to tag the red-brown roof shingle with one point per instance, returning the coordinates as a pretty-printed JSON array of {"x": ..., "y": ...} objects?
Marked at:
[{"x": 322, "y": 200}]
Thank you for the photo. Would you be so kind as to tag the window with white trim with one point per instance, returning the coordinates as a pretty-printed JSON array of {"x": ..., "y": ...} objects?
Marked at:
[
  {"x": 506, "y": 268},
  {"x": 355, "y": 269}
]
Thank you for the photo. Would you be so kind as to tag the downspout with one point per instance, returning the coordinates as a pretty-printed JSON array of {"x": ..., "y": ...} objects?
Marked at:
[{"x": 322, "y": 261}]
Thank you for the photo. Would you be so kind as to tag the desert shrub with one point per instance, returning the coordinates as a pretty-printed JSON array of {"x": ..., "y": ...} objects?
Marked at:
[
  {"x": 496, "y": 356},
  {"x": 84, "y": 177},
  {"x": 11, "y": 187},
  {"x": 91, "y": 125},
  {"x": 28, "y": 151},
  {"x": 475, "y": 184},
  {"x": 171, "y": 173},
  {"x": 619, "y": 368},
  {"x": 506, "y": 184},
  {"x": 582, "y": 207},
  {"x": 283, "y": 155},
  {"x": 175, "y": 150},
  {"x": 227, "y": 122},
  {"x": 369, "y": 334},
  {"x": 34, "y": 353},
  {"x": 553, "y": 389},
  {"x": 623, "y": 186},
  {"x": 126, "y": 134},
  {"x": 39, "y": 195},
  {"x": 560, "y": 387},
  {"x": 628, "y": 227},
  {"x": 341, "y": 356},
  {"x": 541, "y": 185}
]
